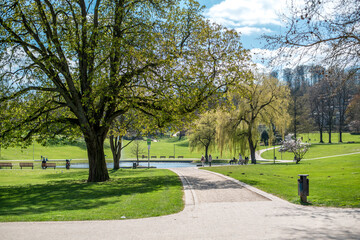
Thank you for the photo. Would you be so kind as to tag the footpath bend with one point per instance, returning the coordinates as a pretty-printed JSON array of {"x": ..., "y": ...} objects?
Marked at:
[{"x": 216, "y": 207}]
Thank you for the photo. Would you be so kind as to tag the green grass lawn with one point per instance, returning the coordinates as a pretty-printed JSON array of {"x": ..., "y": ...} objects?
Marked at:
[
  {"x": 333, "y": 181},
  {"x": 172, "y": 147},
  {"x": 315, "y": 137},
  {"x": 34, "y": 151},
  {"x": 164, "y": 147},
  {"x": 43, "y": 195},
  {"x": 316, "y": 151}
]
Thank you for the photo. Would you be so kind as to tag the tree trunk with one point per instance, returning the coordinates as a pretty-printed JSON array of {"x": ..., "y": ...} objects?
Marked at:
[
  {"x": 115, "y": 144},
  {"x": 252, "y": 150},
  {"x": 206, "y": 153},
  {"x": 295, "y": 115},
  {"x": 341, "y": 123},
  {"x": 97, "y": 165},
  {"x": 329, "y": 134},
  {"x": 321, "y": 136},
  {"x": 340, "y": 135}
]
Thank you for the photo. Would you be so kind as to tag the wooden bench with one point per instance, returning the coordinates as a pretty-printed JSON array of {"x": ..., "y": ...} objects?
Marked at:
[
  {"x": 162, "y": 156},
  {"x": 233, "y": 161},
  {"x": 171, "y": 156},
  {"x": 26, "y": 164},
  {"x": 180, "y": 156},
  {"x": 6, "y": 164},
  {"x": 51, "y": 165},
  {"x": 153, "y": 156}
]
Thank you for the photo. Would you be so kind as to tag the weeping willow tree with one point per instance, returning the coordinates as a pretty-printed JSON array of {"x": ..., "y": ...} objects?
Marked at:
[
  {"x": 202, "y": 134},
  {"x": 261, "y": 102}
]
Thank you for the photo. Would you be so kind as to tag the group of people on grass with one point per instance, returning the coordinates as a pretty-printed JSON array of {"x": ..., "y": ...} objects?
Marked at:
[{"x": 241, "y": 160}]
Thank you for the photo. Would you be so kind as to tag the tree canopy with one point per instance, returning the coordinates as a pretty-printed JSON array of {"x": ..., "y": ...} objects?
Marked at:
[
  {"x": 326, "y": 30},
  {"x": 261, "y": 102},
  {"x": 78, "y": 65},
  {"x": 202, "y": 134}
]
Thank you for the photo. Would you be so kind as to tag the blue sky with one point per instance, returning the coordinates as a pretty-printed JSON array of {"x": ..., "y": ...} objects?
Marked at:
[{"x": 250, "y": 17}]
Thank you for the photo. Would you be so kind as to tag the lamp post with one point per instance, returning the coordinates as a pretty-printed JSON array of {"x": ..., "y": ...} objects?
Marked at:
[
  {"x": 149, "y": 144},
  {"x": 274, "y": 140}
]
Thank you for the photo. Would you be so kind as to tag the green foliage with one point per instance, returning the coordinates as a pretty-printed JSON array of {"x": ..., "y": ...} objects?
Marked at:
[
  {"x": 202, "y": 134},
  {"x": 264, "y": 101},
  {"x": 75, "y": 66},
  {"x": 38, "y": 195}
]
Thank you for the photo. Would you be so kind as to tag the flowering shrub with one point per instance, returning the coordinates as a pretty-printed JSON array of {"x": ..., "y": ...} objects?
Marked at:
[{"x": 295, "y": 146}]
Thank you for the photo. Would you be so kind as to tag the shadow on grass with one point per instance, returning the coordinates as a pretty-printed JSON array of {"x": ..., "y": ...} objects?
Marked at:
[
  {"x": 182, "y": 143},
  {"x": 65, "y": 195},
  {"x": 305, "y": 203}
]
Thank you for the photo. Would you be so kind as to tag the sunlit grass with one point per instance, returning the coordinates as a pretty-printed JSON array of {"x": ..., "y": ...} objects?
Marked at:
[
  {"x": 333, "y": 181},
  {"x": 41, "y": 195},
  {"x": 316, "y": 151}
]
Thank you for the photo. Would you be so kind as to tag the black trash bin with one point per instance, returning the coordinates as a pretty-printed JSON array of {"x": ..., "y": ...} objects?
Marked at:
[
  {"x": 303, "y": 187},
  {"x": 134, "y": 165}
]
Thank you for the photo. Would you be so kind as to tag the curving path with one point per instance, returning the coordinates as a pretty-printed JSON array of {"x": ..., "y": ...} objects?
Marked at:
[{"x": 217, "y": 207}]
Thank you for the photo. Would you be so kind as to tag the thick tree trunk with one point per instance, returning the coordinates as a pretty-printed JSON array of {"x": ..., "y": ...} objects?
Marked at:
[
  {"x": 329, "y": 134},
  {"x": 115, "y": 144},
  {"x": 252, "y": 150},
  {"x": 97, "y": 165},
  {"x": 206, "y": 153}
]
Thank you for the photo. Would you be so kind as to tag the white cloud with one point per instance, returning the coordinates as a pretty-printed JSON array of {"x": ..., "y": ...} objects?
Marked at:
[
  {"x": 251, "y": 30},
  {"x": 247, "y": 12}
]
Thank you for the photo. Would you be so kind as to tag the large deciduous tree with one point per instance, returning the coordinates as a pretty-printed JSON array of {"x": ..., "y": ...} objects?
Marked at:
[
  {"x": 78, "y": 65},
  {"x": 264, "y": 101}
]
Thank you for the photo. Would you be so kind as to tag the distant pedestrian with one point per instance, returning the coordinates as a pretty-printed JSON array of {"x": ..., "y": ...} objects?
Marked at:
[
  {"x": 210, "y": 160},
  {"x": 202, "y": 160},
  {"x": 43, "y": 162},
  {"x": 241, "y": 160}
]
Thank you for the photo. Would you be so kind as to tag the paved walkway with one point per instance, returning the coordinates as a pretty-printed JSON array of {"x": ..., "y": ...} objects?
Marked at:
[{"x": 217, "y": 207}]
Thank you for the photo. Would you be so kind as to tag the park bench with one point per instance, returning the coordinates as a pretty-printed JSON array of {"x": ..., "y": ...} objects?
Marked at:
[
  {"x": 153, "y": 156},
  {"x": 171, "y": 156},
  {"x": 180, "y": 156},
  {"x": 233, "y": 161},
  {"x": 26, "y": 164},
  {"x": 51, "y": 165},
  {"x": 162, "y": 156},
  {"x": 5, "y": 164},
  {"x": 143, "y": 156}
]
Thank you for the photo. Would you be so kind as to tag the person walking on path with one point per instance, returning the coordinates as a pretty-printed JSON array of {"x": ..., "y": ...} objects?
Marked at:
[
  {"x": 202, "y": 160},
  {"x": 210, "y": 159}
]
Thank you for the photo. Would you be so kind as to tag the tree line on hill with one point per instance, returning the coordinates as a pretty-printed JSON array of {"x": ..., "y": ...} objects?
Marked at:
[{"x": 322, "y": 99}]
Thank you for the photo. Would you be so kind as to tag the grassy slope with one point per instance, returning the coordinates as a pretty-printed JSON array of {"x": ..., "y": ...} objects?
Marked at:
[
  {"x": 333, "y": 181},
  {"x": 316, "y": 150},
  {"x": 41, "y": 195},
  {"x": 315, "y": 137},
  {"x": 165, "y": 147}
]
